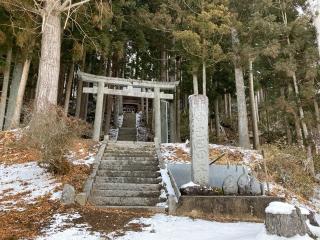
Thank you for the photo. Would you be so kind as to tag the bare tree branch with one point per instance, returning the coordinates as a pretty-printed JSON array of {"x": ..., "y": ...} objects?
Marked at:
[
  {"x": 21, "y": 6},
  {"x": 73, "y": 5}
]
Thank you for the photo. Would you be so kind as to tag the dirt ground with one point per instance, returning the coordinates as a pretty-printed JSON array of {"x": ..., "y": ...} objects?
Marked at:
[{"x": 111, "y": 220}]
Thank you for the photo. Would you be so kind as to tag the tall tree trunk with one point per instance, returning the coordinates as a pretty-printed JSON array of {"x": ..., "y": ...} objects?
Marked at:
[
  {"x": 80, "y": 87},
  {"x": 244, "y": 140},
  {"x": 84, "y": 104},
  {"x": 257, "y": 107},
  {"x": 49, "y": 65},
  {"x": 142, "y": 101},
  {"x": 63, "y": 79},
  {"x": 116, "y": 111},
  {"x": 242, "y": 109},
  {"x": 230, "y": 106},
  {"x": 316, "y": 22},
  {"x": 195, "y": 81},
  {"x": 15, "y": 121},
  {"x": 288, "y": 132},
  {"x": 79, "y": 97},
  {"x": 298, "y": 130},
  {"x": 163, "y": 65},
  {"x": 108, "y": 113},
  {"x": 204, "y": 78},
  {"x": 178, "y": 101},
  {"x": 14, "y": 86},
  {"x": 217, "y": 116},
  {"x": 5, "y": 86},
  {"x": 255, "y": 130},
  {"x": 68, "y": 88},
  {"x": 85, "y": 96},
  {"x": 108, "y": 110},
  {"x": 225, "y": 103},
  {"x": 316, "y": 110},
  {"x": 309, "y": 162}
]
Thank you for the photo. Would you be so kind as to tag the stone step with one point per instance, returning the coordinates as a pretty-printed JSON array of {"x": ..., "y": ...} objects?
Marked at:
[
  {"x": 130, "y": 162},
  {"x": 125, "y": 193},
  {"x": 129, "y": 167},
  {"x": 131, "y": 138},
  {"x": 129, "y": 154},
  {"x": 134, "y": 148},
  {"x": 126, "y": 186},
  {"x": 125, "y": 133},
  {"x": 146, "y": 158},
  {"x": 100, "y": 179},
  {"x": 140, "y": 174},
  {"x": 128, "y": 129},
  {"x": 124, "y": 201},
  {"x": 141, "y": 209},
  {"x": 122, "y": 134}
]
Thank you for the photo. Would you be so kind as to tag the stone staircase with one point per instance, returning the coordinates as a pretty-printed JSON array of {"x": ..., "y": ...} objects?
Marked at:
[
  {"x": 127, "y": 134},
  {"x": 128, "y": 131},
  {"x": 128, "y": 176}
]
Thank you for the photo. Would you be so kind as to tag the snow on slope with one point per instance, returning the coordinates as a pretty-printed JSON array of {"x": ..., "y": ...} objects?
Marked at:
[
  {"x": 180, "y": 153},
  {"x": 28, "y": 181}
]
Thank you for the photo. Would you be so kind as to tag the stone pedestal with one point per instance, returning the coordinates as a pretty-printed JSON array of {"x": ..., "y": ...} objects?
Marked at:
[{"x": 199, "y": 142}]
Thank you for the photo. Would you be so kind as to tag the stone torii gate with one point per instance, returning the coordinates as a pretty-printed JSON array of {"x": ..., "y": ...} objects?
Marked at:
[{"x": 152, "y": 90}]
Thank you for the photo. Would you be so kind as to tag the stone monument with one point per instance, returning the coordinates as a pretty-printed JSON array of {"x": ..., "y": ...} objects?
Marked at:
[{"x": 199, "y": 142}]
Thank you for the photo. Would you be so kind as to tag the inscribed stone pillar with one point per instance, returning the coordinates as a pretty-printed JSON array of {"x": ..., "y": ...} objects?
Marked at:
[
  {"x": 98, "y": 113},
  {"x": 198, "y": 117},
  {"x": 157, "y": 114}
]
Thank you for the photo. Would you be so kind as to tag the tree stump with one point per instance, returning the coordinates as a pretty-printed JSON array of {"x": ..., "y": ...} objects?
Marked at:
[{"x": 286, "y": 220}]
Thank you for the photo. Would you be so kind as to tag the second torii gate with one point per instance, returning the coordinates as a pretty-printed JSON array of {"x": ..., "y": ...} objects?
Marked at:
[{"x": 153, "y": 92}]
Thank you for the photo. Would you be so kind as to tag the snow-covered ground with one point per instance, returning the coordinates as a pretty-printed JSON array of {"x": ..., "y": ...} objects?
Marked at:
[
  {"x": 180, "y": 153},
  {"x": 160, "y": 227},
  {"x": 23, "y": 184},
  {"x": 87, "y": 160},
  {"x": 62, "y": 228},
  {"x": 28, "y": 181}
]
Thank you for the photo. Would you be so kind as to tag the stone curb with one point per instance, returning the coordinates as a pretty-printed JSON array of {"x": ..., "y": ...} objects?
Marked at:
[{"x": 82, "y": 198}]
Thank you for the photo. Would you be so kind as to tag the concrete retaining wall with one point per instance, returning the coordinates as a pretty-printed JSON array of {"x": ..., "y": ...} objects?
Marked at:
[
  {"x": 217, "y": 173},
  {"x": 225, "y": 208}
]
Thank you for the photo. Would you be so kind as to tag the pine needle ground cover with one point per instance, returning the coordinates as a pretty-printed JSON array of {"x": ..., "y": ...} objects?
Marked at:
[{"x": 29, "y": 194}]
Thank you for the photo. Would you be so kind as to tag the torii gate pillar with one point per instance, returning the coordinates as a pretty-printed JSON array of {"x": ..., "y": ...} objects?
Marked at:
[
  {"x": 157, "y": 114},
  {"x": 98, "y": 113}
]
